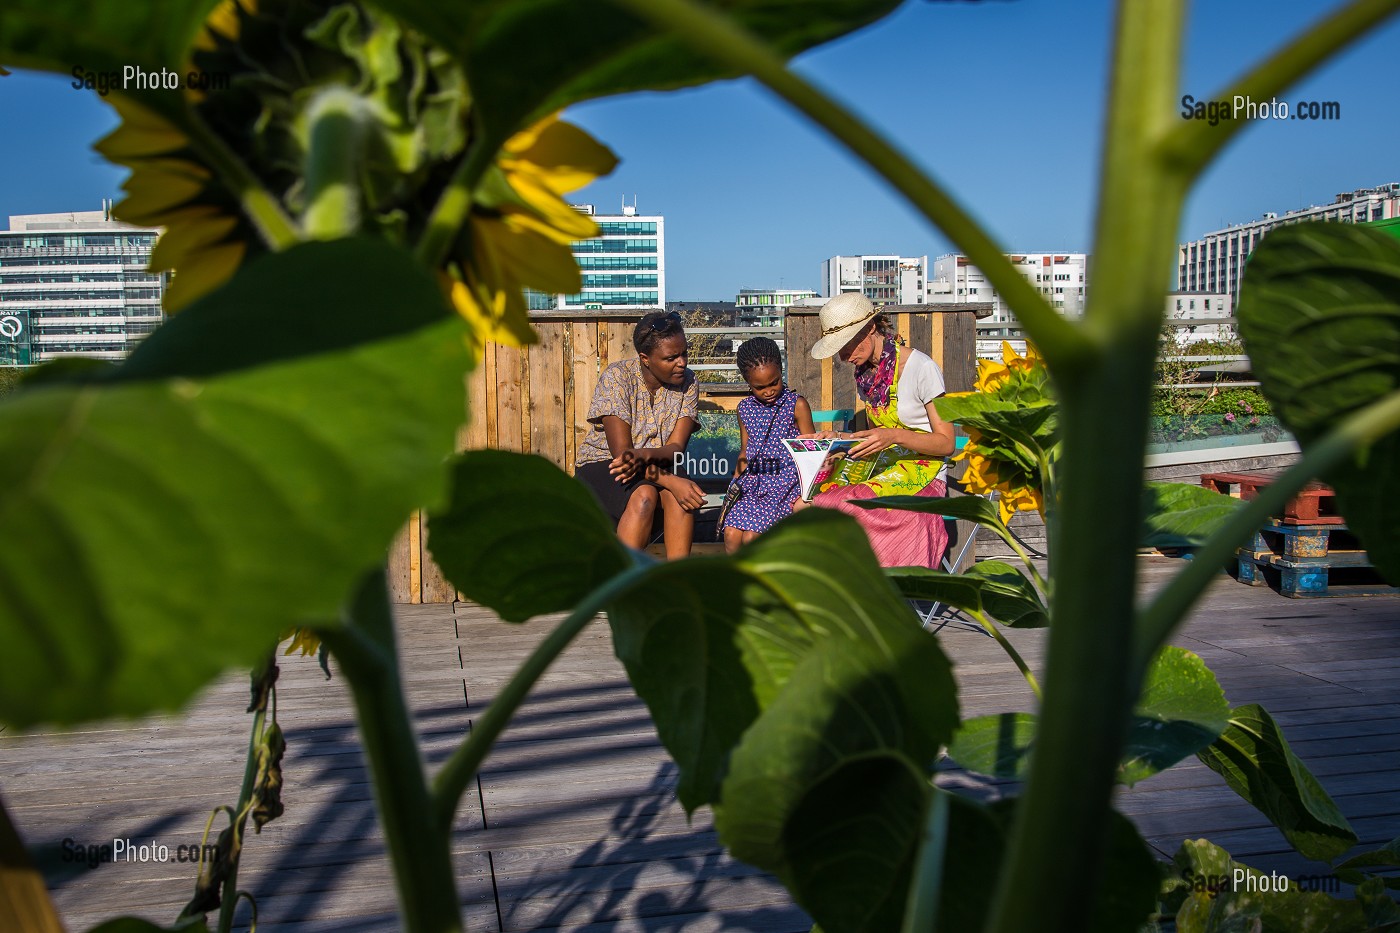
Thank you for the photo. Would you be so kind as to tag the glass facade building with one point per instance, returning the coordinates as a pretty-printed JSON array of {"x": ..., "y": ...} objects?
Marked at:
[
  {"x": 623, "y": 268},
  {"x": 75, "y": 284}
]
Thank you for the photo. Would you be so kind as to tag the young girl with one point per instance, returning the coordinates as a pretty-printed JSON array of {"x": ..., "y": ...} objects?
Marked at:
[{"x": 766, "y": 473}]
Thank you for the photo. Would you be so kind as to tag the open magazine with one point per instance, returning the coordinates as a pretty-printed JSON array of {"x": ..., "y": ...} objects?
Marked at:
[{"x": 817, "y": 460}]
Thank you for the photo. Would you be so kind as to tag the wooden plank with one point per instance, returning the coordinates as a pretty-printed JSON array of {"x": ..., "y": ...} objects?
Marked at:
[
  {"x": 546, "y": 402},
  {"x": 566, "y": 363},
  {"x": 937, "y": 336},
  {"x": 585, "y": 367},
  {"x": 415, "y": 558},
  {"x": 400, "y": 575},
  {"x": 804, "y": 374},
  {"x": 959, "y": 350},
  {"x": 509, "y": 414},
  {"x": 921, "y": 331},
  {"x": 619, "y": 341},
  {"x": 843, "y": 386},
  {"x": 436, "y": 589},
  {"x": 828, "y": 398},
  {"x": 488, "y": 375}
]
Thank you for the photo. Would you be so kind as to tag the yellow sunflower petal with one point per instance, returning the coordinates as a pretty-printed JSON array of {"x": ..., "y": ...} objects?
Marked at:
[
  {"x": 529, "y": 258},
  {"x": 151, "y": 193},
  {"x": 561, "y": 221},
  {"x": 142, "y": 133},
  {"x": 305, "y": 641},
  {"x": 201, "y": 272},
  {"x": 561, "y": 155},
  {"x": 222, "y": 20}
]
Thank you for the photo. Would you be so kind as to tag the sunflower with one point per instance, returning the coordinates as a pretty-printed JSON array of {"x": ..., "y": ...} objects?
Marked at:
[
  {"x": 527, "y": 241},
  {"x": 997, "y": 461},
  {"x": 279, "y": 56}
]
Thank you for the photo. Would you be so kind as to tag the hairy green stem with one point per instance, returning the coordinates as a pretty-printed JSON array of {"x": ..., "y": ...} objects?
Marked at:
[
  {"x": 1168, "y": 609},
  {"x": 1193, "y": 144},
  {"x": 228, "y": 897},
  {"x": 459, "y": 771},
  {"x": 261, "y": 207},
  {"x": 1054, "y": 861},
  {"x": 455, "y": 203},
  {"x": 418, "y": 847},
  {"x": 712, "y": 33},
  {"x": 921, "y": 910},
  {"x": 333, "y": 160}
]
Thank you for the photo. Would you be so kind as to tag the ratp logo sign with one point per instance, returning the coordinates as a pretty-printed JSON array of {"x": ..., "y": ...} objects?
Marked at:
[{"x": 11, "y": 326}]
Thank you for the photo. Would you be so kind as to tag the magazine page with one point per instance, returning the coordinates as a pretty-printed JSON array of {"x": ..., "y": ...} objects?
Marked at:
[{"x": 816, "y": 459}]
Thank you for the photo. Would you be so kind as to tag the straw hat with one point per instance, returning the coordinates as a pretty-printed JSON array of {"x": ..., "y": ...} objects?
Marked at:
[{"x": 842, "y": 318}]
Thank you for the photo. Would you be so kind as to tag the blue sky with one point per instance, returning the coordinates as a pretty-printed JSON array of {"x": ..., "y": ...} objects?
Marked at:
[{"x": 1001, "y": 101}]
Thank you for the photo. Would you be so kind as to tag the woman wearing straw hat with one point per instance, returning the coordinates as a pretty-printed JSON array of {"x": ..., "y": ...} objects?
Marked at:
[{"x": 901, "y": 453}]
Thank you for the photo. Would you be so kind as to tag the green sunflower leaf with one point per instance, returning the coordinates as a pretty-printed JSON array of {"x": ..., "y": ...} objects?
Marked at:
[
  {"x": 521, "y": 536},
  {"x": 1254, "y": 759},
  {"x": 171, "y": 520},
  {"x": 528, "y": 59},
  {"x": 1320, "y": 317},
  {"x": 1181, "y": 711},
  {"x": 1182, "y": 514}
]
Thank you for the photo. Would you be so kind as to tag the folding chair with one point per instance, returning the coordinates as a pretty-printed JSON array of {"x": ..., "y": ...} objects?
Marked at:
[
  {"x": 934, "y": 615},
  {"x": 831, "y": 416}
]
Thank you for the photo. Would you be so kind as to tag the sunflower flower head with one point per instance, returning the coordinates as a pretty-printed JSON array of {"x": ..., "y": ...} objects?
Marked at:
[{"x": 280, "y": 57}]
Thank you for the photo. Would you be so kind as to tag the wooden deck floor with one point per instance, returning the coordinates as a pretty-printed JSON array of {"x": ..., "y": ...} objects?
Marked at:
[{"x": 574, "y": 825}]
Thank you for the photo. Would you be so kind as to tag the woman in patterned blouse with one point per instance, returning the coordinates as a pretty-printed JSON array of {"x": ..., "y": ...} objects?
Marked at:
[{"x": 643, "y": 412}]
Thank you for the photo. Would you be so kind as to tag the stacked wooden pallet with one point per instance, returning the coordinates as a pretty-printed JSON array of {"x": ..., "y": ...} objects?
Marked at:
[{"x": 1308, "y": 551}]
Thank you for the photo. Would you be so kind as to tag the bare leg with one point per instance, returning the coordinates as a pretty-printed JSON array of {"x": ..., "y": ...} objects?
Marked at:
[
  {"x": 750, "y": 536},
  {"x": 733, "y": 537},
  {"x": 679, "y": 524},
  {"x": 799, "y": 505},
  {"x": 634, "y": 527}
]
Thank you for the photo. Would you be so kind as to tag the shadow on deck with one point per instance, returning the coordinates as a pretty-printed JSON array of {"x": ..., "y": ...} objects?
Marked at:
[{"x": 573, "y": 824}]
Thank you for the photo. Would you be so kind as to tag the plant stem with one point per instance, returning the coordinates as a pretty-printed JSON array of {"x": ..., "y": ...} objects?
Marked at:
[
  {"x": 1011, "y": 652},
  {"x": 1168, "y": 608},
  {"x": 228, "y": 897},
  {"x": 1054, "y": 860},
  {"x": 1193, "y": 144},
  {"x": 921, "y": 912},
  {"x": 455, "y": 203},
  {"x": 260, "y": 205},
  {"x": 418, "y": 848},
  {"x": 712, "y": 33},
  {"x": 332, "y": 165},
  {"x": 24, "y": 899},
  {"x": 459, "y": 771}
]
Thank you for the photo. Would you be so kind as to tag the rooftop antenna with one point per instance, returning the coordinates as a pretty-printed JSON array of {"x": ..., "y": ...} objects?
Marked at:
[{"x": 626, "y": 210}]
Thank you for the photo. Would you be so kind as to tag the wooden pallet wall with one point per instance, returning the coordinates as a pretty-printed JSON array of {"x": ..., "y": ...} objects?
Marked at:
[{"x": 535, "y": 399}]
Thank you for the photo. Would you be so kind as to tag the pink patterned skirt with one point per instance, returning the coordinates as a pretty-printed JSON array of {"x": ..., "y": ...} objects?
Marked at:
[{"x": 898, "y": 538}]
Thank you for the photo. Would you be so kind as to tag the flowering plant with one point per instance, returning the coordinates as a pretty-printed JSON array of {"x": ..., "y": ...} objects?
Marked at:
[{"x": 1010, "y": 421}]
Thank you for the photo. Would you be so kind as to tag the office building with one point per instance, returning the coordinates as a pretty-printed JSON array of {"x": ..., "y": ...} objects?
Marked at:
[
  {"x": 765, "y": 307},
  {"x": 885, "y": 280},
  {"x": 1215, "y": 261},
  {"x": 623, "y": 268},
  {"x": 1060, "y": 277},
  {"x": 75, "y": 284}
]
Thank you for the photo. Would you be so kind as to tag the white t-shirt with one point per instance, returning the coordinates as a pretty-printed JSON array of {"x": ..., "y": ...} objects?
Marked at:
[{"x": 920, "y": 382}]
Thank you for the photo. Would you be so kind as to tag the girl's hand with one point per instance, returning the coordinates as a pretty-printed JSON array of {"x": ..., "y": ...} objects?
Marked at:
[{"x": 874, "y": 441}]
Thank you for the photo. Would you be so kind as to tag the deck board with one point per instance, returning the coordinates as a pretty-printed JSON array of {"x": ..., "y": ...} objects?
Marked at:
[{"x": 574, "y": 823}]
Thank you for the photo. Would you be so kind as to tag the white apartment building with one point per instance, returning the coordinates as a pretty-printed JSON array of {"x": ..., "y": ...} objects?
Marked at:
[
  {"x": 765, "y": 307},
  {"x": 1215, "y": 261},
  {"x": 624, "y": 267},
  {"x": 75, "y": 284},
  {"x": 1061, "y": 277},
  {"x": 885, "y": 280},
  {"x": 1184, "y": 307}
]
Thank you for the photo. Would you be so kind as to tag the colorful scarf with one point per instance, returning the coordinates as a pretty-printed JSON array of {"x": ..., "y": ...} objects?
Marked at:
[{"x": 873, "y": 380}]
